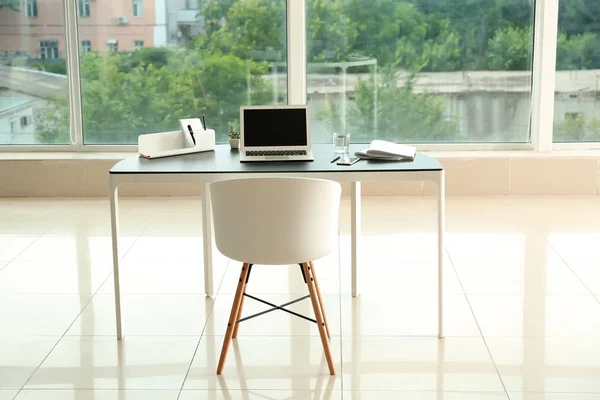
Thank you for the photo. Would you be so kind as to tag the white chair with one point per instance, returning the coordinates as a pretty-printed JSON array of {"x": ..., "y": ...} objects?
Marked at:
[{"x": 276, "y": 221}]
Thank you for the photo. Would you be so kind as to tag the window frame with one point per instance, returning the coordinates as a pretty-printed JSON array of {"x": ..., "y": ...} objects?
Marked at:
[
  {"x": 138, "y": 8},
  {"x": 138, "y": 45},
  {"x": 85, "y": 47},
  {"x": 32, "y": 9},
  {"x": 543, "y": 81},
  {"x": 47, "y": 51},
  {"x": 84, "y": 8},
  {"x": 113, "y": 47}
]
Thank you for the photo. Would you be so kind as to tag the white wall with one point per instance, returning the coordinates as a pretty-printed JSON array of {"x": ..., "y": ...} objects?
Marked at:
[{"x": 25, "y": 134}]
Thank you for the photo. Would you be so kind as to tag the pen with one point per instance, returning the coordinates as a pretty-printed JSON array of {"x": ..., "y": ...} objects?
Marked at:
[
  {"x": 335, "y": 159},
  {"x": 192, "y": 134},
  {"x": 204, "y": 121}
]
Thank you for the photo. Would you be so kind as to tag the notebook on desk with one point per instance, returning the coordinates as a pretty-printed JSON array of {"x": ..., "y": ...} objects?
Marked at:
[{"x": 275, "y": 133}]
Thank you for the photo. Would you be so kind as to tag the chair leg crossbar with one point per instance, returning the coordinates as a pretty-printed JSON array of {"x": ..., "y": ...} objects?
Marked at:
[
  {"x": 276, "y": 307},
  {"x": 308, "y": 274}
]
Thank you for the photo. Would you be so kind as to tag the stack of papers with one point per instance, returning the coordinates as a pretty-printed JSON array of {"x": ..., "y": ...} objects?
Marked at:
[{"x": 387, "y": 151}]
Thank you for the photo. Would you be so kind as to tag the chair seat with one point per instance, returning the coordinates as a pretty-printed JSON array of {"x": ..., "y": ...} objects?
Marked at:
[{"x": 275, "y": 221}]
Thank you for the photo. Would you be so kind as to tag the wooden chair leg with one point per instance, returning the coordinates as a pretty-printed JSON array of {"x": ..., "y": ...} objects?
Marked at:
[
  {"x": 235, "y": 308},
  {"x": 319, "y": 317},
  {"x": 239, "y": 315},
  {"x": 320, "y": 297}
]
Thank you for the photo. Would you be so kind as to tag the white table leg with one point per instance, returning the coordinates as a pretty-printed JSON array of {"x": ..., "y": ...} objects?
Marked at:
[
  {"x": 355, "y": 220},
  {"x": 114, "y": 227},
  {"x": 441, "y": 227},
  {"x": 207, "y": 239}
]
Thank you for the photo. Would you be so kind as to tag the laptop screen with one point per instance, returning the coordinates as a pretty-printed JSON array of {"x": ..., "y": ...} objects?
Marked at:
[{"x": 275, "y": 127}]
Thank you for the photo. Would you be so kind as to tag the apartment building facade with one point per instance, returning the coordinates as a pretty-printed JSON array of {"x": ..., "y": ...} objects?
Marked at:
[{"x": 36, "y": 29}]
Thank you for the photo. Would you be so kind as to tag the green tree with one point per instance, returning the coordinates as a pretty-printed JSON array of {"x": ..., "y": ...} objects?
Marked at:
[
  {"x": 436, "y": 50},
  {"x": 577, "y": 51},
  {"x": 510, "y": 50},
  {"x": 331, "y": 34},
  {"x": 252, "y": 27},
  {"x": 214, "y": 12},
  {"x": 380, "y": 25},
  {"x": 54, "y": 66},
  {"x": 574, "y": 129},
  {"x": 131, "y": 93},
  {"x": 402, "y": 114},
  {"x": 576, "y": 17},
  {"x": 52, "y": 121}
]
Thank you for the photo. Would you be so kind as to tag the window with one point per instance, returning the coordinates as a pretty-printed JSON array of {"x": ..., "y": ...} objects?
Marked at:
[
  {"x": 138, "y": 8},
  {"x": 420, "y": 70},
  {"x": 84, "y": 8},
  {"x": 151, "y": 90},
  {"x": 14, "y": 126},
  {"x": 32, "y": 8},
  {"x": 30, "y": 113},
  {"x": 86, "y": 47},
  {"x": 113, "y": 46},
  {"x": 49, "y": 49},
  {"x": 577, "y": 91}
]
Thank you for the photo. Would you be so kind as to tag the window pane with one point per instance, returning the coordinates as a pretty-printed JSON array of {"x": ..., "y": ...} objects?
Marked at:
[
  {"x": 210, "y": 59},
  {"x": 420, "y": 70},
  {"x": 34, "y": 107},
  {"x": 577, "y": 93}
]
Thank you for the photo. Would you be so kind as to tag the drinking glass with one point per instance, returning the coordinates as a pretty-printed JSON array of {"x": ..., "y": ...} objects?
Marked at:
[{"x": 341, "y": 142}]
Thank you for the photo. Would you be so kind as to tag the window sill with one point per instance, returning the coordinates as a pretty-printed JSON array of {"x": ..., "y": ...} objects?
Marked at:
[
  {"x": 452, "y": 154},
  {"x": 64, "y": 155},
  {"x": 468, "y": 173}
]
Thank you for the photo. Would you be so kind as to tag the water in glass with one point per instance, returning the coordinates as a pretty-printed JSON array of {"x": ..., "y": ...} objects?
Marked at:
[{"x": 341, "y": 142}]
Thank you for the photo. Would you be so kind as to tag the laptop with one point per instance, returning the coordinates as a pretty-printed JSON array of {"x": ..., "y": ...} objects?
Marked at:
[{"x": 275, "y": 133}]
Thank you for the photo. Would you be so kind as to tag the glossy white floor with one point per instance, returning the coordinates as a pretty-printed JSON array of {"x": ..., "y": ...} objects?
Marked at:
[{"x": 522, "y": 306}]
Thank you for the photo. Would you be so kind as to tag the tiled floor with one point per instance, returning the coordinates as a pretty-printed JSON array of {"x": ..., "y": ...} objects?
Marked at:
[{"x": 522, "y": 300}]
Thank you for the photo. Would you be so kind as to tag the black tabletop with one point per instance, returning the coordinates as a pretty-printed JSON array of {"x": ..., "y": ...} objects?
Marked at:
[{"x": 226, "y": 160}]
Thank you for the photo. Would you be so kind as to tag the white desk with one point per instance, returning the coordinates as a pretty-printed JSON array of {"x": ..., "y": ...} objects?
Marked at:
[{"x": 223, "y": 163}]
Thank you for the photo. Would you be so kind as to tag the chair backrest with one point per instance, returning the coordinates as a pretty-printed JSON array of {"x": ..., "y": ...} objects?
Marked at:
[{"x": 275, "y": 221}]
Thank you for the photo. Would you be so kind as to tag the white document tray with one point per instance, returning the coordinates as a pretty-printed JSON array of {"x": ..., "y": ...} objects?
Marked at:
[{"x": 165, "y": 144}]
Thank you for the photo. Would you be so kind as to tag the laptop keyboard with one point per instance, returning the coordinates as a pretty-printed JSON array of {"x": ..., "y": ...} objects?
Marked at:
[{"x": 276, "y": 153}]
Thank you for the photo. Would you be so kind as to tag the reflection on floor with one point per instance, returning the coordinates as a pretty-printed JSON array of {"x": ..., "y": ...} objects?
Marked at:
[{"x": 522, "y": 282}]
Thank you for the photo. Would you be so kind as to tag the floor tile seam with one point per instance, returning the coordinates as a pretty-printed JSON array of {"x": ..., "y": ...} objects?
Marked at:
[
  {"x": 111, "y": 273},
  {"x": 571, "y": 269},
  {"x": 74, "y": 320},
  {"x": 306, "y": 336},
  {"x": 553, "y": 392},
  {"x": 21, "y": 252},
  {"x": 478, "y": 327},
  {"x": 341, "y": 345},
  {"x": 472, "y": 336},
  {"x": 212, "y": 308},
  {"x": 531, "y": 294},
  {"x": 104, "y": 294}
]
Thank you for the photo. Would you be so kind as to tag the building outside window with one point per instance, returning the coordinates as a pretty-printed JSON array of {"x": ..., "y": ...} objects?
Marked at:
[
  {"x": 34, "y": 47},
  {"x": 86, "y": 46},
  {"x": 113, "y": 46},
  {"x": 138, "y": 8},
  {"x": 577, "y": 87},
  {"x": 32, "y": 8},
  {"x": 14, "y": 126},
  {"x": 49, "y": 49},
  {"x": 138, "y": 44},
  {"x": 84, "y": 8}
]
